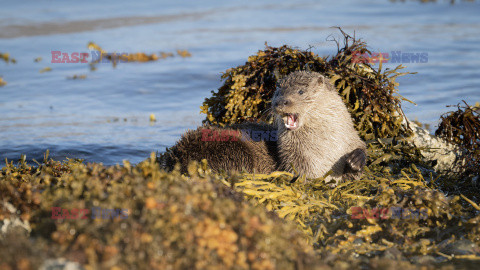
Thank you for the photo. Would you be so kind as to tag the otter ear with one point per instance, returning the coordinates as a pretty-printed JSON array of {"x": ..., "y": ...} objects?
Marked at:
[
  {"x": 321, "y": 80},
  {"x": 325, "y": 83}
]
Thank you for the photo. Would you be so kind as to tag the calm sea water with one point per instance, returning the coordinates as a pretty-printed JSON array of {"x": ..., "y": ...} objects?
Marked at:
[{"x": 105, "y": 118}]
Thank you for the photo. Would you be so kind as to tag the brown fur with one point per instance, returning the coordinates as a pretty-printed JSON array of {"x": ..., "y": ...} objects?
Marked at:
[
  {"x": 325, "y": 139},
  {"x": 229, "y": 155}
]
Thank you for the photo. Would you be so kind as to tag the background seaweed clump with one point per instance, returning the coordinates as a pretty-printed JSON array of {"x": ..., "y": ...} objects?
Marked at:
[
  {"x": 462, "y": 127},
  {"x": 173, "y": 222},
  {"x": 370, "y": 94}
]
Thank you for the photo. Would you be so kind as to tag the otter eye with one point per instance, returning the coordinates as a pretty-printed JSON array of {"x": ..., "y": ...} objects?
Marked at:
[{"x": 300, "y": 92}]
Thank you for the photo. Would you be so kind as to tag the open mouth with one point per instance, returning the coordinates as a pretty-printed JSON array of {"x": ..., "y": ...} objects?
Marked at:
[{"x": 291, "y": 121}]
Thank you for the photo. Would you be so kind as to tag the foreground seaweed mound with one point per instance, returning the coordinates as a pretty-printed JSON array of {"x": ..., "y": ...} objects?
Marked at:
[
  {"x": 370, "y": 94},
  {"x": 140, "y": 217}
]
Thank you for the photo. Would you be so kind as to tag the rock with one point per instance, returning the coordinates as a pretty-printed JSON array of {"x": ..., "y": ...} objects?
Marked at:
[
  {"x": 459, "y": 247},
  {"x": 426, "y": 260},
  {"x": 443, "y": 155},
  {"x": 393, "y": 254},
  {"x": 13, "y": 222},
  {"x": 60, "y": 264}
]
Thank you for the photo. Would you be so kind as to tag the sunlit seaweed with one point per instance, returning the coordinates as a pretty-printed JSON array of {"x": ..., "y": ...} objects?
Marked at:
[
  {"x": 7, "y": 58},
  {"x": 202, "y": 219},
  {"x": 462, "y": 127},
  {"x": 115, "y": 58},
  {"x": 184, "y": 53},
  {"x": 77, "y": 77},
  {"x": 173, "y": 221},
  {"x": 370, "y": 94},
  {"x": 45, "y": 69}
]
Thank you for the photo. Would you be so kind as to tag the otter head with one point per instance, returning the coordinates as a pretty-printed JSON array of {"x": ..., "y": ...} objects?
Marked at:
[{"x": 297, "y": 96}]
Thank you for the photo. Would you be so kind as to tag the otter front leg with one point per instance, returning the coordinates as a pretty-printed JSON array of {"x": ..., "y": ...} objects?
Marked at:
[{"x": 357, "y": 159}]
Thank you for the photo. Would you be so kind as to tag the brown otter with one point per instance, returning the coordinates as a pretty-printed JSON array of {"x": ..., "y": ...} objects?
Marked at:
[
  {"x": 316, "y": 131},
  {"x": 315, "y": 135}
]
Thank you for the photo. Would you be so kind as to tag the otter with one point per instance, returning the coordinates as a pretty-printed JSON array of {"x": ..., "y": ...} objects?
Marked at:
[
  {"x": 314, "y": 135},
  {"x": 316, "y": 131}
]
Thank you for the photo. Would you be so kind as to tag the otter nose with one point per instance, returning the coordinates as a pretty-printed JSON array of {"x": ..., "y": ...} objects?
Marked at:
[{"x": 281, "y": 103}]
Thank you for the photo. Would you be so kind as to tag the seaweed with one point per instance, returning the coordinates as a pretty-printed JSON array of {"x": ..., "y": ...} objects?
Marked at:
[
  {"x": 173, "y": 221},
  {"x": 242, "y": 221},
  {"x": 462, "y": 127},
  {"x": 45, "y": 69},
  {"x": 77, "y": 77},
  {"x": 7, "y": 58},
  {"x": 116, "y": 58},
  {"x": 370, "y": 94}
]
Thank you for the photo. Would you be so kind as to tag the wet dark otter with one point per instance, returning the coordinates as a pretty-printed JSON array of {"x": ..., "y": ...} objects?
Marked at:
[
  {"x": 227, "y": 149},
  {"x": 315, "y": 135}
]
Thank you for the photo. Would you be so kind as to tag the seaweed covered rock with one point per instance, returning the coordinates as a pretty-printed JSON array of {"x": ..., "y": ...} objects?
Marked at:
[
  {"x": 390, "y": 215},
  {"x": 440, "y": 154},
  {"x": 139, "y": 217},
  {"x": 462, "y": 128},
  {"x": 370, "y": 94}
]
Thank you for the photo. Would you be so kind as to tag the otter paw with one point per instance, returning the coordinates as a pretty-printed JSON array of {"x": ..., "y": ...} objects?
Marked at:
[{"x": 357, "y": 159}]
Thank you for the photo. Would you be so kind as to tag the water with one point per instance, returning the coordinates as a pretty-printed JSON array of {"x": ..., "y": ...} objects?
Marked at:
[{"x": 105, "y": 118}]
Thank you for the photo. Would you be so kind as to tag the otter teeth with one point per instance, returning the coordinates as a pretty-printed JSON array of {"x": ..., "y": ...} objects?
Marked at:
[{"x": 291, "y": 122}]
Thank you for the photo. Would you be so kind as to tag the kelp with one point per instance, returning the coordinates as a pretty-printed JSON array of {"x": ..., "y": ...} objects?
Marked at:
[
  {"x": 241, "y": 221},
  {"x": 172, "y": 221},
  {"x": 428, "y": 221},
  {"x": 77, "y": 77},
  {"x": 370, "y": 94},
  {"x": 116, "y": 58},
  {"x": 45, "y": 69},
  {"x": 462, "y": 127},
  {"x": 404, "y": 210},
  {"x": 7, "y": 58}
]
